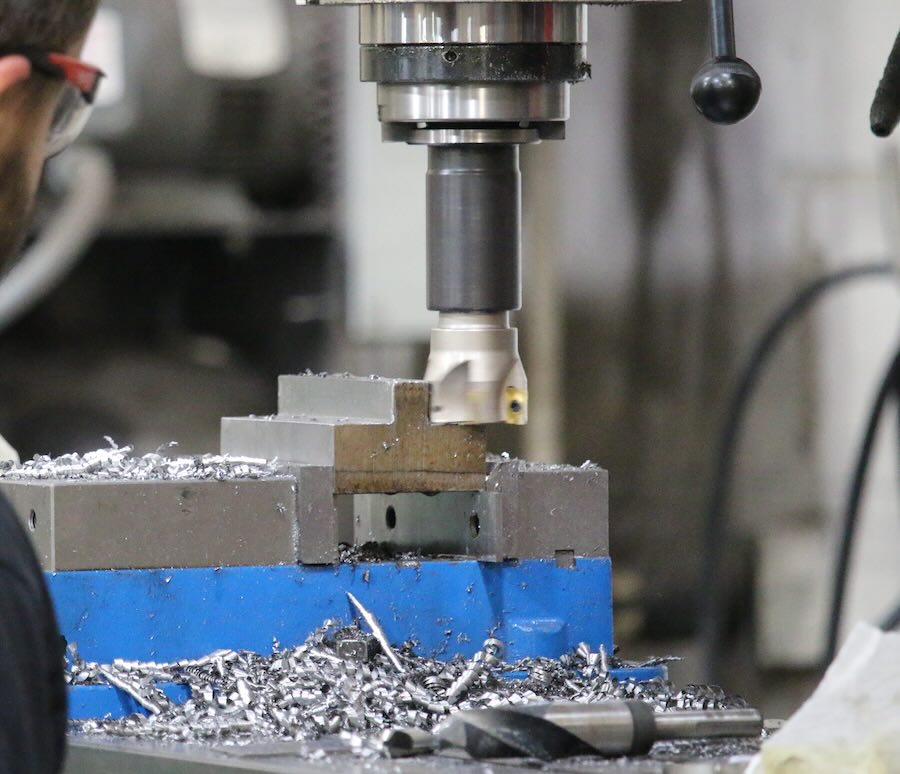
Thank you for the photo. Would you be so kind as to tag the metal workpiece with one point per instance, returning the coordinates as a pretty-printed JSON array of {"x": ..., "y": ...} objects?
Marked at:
[
  {"x": 96, "y": 524},
  {"x": 475, "y": 371},
  {"x": 417, "y": 23},
  {"x": 375, "y": 433},
  {"x": 342, "y": 398},
  {"x": 474, "y": 226}
]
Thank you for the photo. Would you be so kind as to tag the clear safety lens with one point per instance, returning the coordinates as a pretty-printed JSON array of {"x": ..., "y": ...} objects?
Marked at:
[{"x": 72, "y": 113}]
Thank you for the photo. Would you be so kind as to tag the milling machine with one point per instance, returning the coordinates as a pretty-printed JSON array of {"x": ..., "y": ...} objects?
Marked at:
[{"x": 376, "y": 486}]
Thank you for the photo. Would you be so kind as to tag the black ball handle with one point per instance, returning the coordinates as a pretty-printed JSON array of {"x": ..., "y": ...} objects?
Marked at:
[
  {"x": 885, "y": 113},
  {"x": 726, "y": 89}
]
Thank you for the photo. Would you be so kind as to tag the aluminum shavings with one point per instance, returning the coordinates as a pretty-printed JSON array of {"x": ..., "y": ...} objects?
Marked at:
[
  {"x": 375, "y": 626},
  {"x": 684, "y": 750},
  {"x": 489, "y": 657},
  {"x": 117, "y": 463},
  {"x": 309, "y": 692},
  {"x": 718, "y": 755},
  {"x": 374, "y": 552}
]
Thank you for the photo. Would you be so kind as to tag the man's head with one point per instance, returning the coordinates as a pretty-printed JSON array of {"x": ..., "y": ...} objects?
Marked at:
[{"x": 28, "y": 100}]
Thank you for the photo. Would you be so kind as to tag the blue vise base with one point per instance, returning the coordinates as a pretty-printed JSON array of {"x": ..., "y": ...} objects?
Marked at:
[{"x": 446, "y": 607}]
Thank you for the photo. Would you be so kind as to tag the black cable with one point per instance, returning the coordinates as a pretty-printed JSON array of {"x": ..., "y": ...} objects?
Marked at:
[
  {"x": 893, "y": 620},
  {"x": 889, "y": 385},
  {"x": 715, "y": 525}
]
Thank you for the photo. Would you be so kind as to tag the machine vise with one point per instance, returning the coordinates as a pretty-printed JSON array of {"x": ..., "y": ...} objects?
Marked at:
[{"x": 443, "y": 543}]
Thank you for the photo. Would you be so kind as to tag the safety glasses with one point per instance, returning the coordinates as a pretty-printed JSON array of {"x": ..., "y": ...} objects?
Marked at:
[{"x": 80, "y": 84}]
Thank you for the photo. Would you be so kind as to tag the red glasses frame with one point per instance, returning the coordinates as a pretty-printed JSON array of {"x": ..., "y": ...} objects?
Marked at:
[{"x": 84, "y": 77}]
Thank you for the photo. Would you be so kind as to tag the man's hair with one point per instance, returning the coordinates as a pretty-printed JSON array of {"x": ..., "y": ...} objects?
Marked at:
[{"x": 51, "y": 25}]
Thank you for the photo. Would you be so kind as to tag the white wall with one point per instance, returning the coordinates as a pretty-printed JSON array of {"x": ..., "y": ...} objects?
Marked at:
[{"x": 385, "y": 218}]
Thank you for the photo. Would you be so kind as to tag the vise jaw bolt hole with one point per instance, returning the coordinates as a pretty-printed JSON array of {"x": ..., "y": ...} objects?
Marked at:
[
  {"x": 450, "y": 56},
  {"x": 32, "y": 521},
  {"x": 390, "y": 517}
]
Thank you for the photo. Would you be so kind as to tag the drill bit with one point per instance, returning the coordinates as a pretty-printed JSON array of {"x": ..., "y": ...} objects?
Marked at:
[{"x": 559, "y": 729}]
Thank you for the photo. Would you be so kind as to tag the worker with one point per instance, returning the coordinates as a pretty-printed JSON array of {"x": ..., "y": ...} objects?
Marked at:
[{"x": 45, "y": 94}]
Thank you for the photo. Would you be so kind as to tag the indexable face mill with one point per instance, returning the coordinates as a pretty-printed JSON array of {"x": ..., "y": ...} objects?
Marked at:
[{"x": 473, "y": 82}]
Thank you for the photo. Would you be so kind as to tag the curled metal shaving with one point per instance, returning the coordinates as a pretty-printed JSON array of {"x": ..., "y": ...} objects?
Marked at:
[
  {"x": 375, "y": 626},
  {"x": 117, "y": 463},
  {"x": 488, "y": 657},
  {"x": 309, "y": 692}
]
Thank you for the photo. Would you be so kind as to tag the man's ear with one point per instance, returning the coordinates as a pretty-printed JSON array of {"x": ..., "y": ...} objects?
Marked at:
[{"x": 13, "y": 70}]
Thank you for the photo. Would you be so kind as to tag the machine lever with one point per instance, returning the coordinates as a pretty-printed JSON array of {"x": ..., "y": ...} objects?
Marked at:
[
  {"x": 725, "y": 89},
  {"x": 886, "y": 106}
]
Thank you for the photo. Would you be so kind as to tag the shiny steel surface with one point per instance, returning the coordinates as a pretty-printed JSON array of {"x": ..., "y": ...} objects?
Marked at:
[
  {"x": 560, "y": 729},
  {"x": 475, "y": 371},
  {"x": 490, "y": 102},
  {"x": 607, "y": 726},
  {"x": 414, "y": 23},
  {"x": 721, "y": 22},
  {"x": 708, "y": 724},
  {"x": 472, "y": 136},
  {"x": 473, "y": 200}
]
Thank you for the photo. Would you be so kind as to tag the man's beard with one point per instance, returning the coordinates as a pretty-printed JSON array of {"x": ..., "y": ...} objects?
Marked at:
[{"x": 15, "y": 208}]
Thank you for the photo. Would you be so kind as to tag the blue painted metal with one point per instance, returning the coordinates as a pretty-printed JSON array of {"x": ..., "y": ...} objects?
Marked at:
[
  {"x": 641, "y": 674},
  {"x": 447, "y": 607},
  {"x": 104, "y": 701}
]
